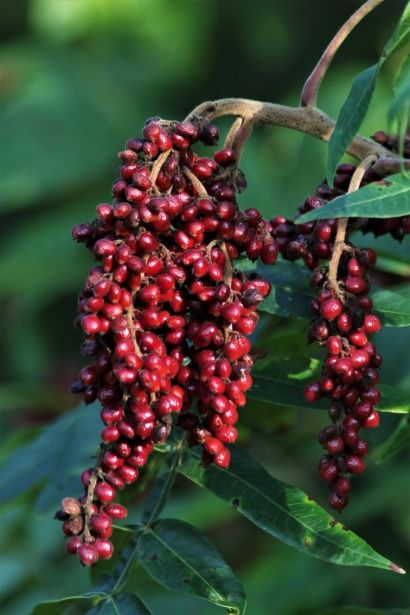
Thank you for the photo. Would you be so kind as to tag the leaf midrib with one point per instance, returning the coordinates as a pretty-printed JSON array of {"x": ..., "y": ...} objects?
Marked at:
[
  {"x": 188, "y": 565},
  {"x": 326, "y": 539}
]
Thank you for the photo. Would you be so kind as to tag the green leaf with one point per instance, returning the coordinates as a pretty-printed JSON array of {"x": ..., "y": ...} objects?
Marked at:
[
  {"x": 393, "y": 400},
  {"x": 285, "y": 394},
  {"x": 182, "y": 559},
  {"x": 283, "y": 511},
  {"x": 387, "y": 198},
  {"x": 45, "y": 457},
  {"x": 401, "y": 35},
  {"x": 124, "y": 603},
  {"x": 290, "y": 294},
  {"x": 393, "y": 309},
  {"x": 401, "y": 91},
  {"x": 156, "y": 501},
  {"x": 357, "y": 102},
  {"x": 399, "y": 439},
  {"x": 57, "y": 607},
  {"x": 350, "y": 118},
  {"x": 353, "y": 610},
  {"x": 112, "y": 583},
  {"x": 162, "y": 486},
  {"x": 280, "y": 392}
]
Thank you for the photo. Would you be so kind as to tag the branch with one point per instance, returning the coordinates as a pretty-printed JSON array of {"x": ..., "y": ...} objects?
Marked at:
[
  {"x": 309, "y": 120},
  {"x": 339, "y": 245},
  {"x": 312, "y": 84}
]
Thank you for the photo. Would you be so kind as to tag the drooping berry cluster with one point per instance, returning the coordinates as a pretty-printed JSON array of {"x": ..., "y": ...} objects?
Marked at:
[
  {"x": 342, "y": 322},
  {"x": 165, "y": 314}
]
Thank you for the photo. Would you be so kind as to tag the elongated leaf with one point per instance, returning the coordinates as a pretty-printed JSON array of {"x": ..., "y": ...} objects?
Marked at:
[
  {"x": 57, "y": 607},
  {"x": 163, "y": 485},
  {"x": 401, "y": 35},
  {"x": 385, "y": 199},
  {"x": 350, "y": 118},
  {"x": 276, "y": 393},
  {"x": 182, "y": 559},
  {"x": 124, "y": 603},
  {"x": 111, "y": 583},
  {"x": 393, "y": 309},
  {"x": 158, "y": 496},
  {"x": 291, "y": 295},
  {"x": 399, "y": 439},
  {"x": 46, "y": 457},
  {"x": 353, "y": 610},
  {"x": 283, "y": 511},
  {"x": 289, "y": 394},
  {"x": 401, "y": 91}
]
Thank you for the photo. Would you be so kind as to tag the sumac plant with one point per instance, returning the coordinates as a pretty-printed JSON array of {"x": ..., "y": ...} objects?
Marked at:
[{"x": 180, "y": 278}]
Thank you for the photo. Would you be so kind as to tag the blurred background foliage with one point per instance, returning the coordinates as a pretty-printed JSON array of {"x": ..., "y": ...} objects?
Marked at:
[{"x": 79, "y": 77}]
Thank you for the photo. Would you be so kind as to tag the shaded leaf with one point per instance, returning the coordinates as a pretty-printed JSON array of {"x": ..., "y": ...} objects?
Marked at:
[
  {"x": 45, "y": 457},
  {"x": 401, "y": 91},
  {"x": 401, "y": 35},
  {"x": 182, "y": 559},
  {"x": 291, "y": 295},
  {"x": 112, "y": 583},
  {"x": 393, "y": 309},
  {"x": 57, "y": 607},
  {"x": 353, "y": 610},
  {"x": 350, "y": 118},
  {"x": 283, "y": 511},
  {"x": 162, "y": 486},
  {"x": 387, "y": 198},
  {"x": 124, "y": 603},
  {"x": 290, "y": 394},
  {"x": 399, "y": 439},
  {"x": 158, "y": 496}
]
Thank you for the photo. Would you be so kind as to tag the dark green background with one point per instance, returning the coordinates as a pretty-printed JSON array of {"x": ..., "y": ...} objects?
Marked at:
[{"x": 79, "y": 77}]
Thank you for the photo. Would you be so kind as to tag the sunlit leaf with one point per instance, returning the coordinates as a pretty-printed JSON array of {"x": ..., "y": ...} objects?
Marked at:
[
  {"x": 283, "y": 511},
  {"x": 387, "y": 198}
]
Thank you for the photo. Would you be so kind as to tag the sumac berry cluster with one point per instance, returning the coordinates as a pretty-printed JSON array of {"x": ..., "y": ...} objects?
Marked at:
[
  {"x": 343, "y": 323},
  {"x": 165, "y": 314}
]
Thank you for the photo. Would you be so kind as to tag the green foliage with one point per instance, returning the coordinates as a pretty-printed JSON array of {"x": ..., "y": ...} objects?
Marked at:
[
  {"x": 401, "y": 35},
  {"x": 78, "y": 81},
  {"x": 179, "y": 557},
  {"x": 44, "y": 459},
  {"x": 358, "y": 100},
  {"x": 350, "y": 118},
  {"x": 388, "y": 198},
  {"x": 291, "y": 292},
  {"x": 399, "y": 440},
  {"x": 282, "y": 511}
]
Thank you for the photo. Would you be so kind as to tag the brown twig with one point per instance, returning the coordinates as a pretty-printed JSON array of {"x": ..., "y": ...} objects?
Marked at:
[
  {"x": 157, "y": 166},
  {"x": 312, "y": 84},
  {"x": 309, "y": 120},
  {"x": 130, "y": 322},
  {"x": 199, "y": 187},
  {"x": 339, "y": 244},
  {"x": 233, "y": 131}
]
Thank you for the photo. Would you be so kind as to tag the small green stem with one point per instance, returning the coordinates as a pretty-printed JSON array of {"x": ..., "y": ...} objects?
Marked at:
[{"x": 167, "y": 486}]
